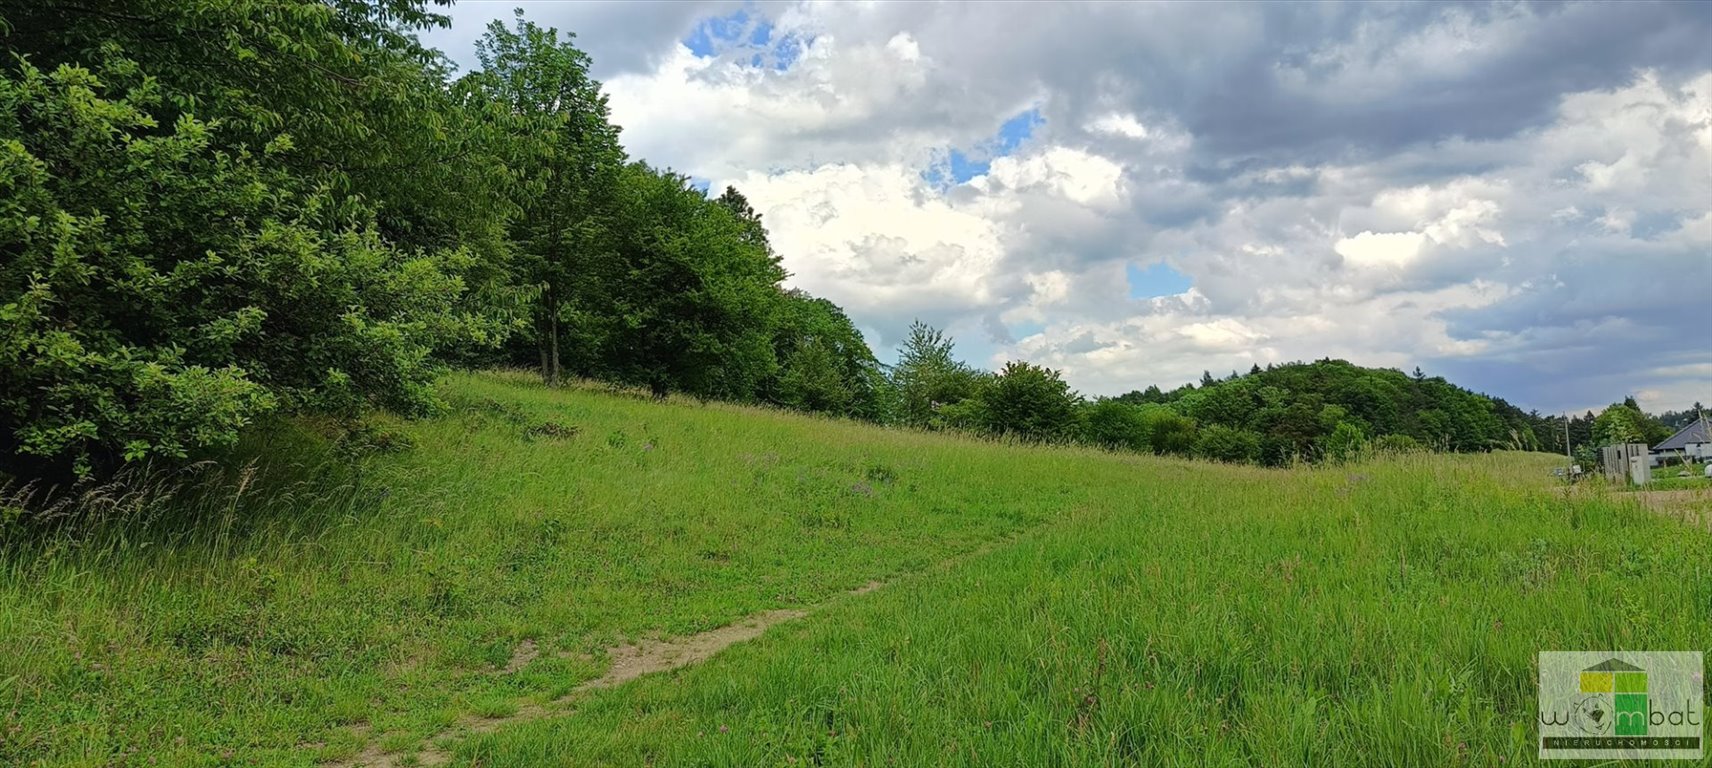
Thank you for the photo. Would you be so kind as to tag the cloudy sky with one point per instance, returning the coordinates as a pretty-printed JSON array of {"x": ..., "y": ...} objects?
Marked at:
[{"x": 1517, "y": 197}]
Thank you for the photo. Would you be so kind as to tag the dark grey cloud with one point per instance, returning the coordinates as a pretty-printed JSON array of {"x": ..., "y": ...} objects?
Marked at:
[{"x": 1308, "y": 83}]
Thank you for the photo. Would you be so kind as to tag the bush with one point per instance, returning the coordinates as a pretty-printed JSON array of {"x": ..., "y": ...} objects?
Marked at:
[
  {"x": 1031, "y": 402},
  {"x": 1222, "y": 443},
  {"x": 159, "y": 293},
  {"x": 1116, "y": 425},
  {"x": 1396, "y": 445},
  {"x": 1168, "y": 432},
  {"x": 1345, "y": 443}
]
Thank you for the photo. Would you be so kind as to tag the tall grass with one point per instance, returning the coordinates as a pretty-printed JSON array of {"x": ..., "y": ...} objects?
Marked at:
[
  {"x": 318, "y": 598},
  {"x": 1384, "y": 614}
]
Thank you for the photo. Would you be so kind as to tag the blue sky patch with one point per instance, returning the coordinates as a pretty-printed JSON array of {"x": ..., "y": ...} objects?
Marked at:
[
  {"x": 714, "y": 35},
  {"x": 746, "y": 30},
  {"x": 1157, "y": 280},
  {"x": 961, "y": 166}
]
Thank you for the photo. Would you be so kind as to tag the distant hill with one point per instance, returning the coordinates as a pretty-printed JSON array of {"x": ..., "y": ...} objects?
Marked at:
[{"x": 1295, "y": 409}]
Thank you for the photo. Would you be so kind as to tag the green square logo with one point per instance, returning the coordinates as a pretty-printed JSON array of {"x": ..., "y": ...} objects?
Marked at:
[
  {"x": 1631, "y": 714},
  {"x": 1622, "y": 705}
]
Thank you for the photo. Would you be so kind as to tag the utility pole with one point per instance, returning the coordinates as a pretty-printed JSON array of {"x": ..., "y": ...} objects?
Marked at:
[{"x": 1704, "y": 432}]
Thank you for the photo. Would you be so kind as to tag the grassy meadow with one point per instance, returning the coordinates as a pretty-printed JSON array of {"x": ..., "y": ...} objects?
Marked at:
[{"x": 1040, "y": 606}]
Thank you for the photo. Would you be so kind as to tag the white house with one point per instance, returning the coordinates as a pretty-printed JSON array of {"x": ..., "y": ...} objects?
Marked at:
[{"x": 1693, "y": 442}]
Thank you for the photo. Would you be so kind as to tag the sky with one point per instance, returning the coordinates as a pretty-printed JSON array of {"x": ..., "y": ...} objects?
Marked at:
[{"x": 1515, "y": 196}]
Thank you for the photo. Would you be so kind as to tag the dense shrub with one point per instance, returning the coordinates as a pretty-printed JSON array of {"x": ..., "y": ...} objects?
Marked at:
[
  {"x": 1116, "y": 425},
  {"x": 1345, "y": 443},
  {"x": 1168, "y": 432},
  {"x": 1221, "y": 443},
  {"x": 160, "y": 292},
  {"x": 1030, "y": 402},
  {"x": 1396, "y": 444}
]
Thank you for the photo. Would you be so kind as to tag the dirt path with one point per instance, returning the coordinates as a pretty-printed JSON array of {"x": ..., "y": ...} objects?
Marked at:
[
  {"x": 628, "y": 663},
  {"x": 1690, "y": 505}
]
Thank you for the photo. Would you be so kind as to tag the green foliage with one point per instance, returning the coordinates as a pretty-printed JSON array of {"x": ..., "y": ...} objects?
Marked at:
[
  {"x": 1222, "y": 443},
  {"x": 161, "y": 292},
  {"x": 1030, "y": 402},
  {"x": 365, "y": 108},
  {"x": 928, "y": 378},
  {"x": 1617, "y": 425},
  {"x": 1115, "y": 424},
  {"x": 1298, "y": 408},
  {"x": 1168, "y": 432},
  {"x": 687, "y": 302},
  {"x": 1347, "y": 442},
  {"x": 566, "y": 165},
  {"x": 825, "y": 365},
  {"x": 1626, "y": 423},
  {"x": 1396, "y": 445}
]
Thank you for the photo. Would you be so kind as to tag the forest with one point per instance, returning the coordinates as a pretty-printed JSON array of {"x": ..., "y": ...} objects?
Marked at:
[{"x": 214, "y": 213}]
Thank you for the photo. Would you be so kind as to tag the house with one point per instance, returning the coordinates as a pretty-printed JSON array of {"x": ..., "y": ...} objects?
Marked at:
[{"x": 1693, "y": 442}]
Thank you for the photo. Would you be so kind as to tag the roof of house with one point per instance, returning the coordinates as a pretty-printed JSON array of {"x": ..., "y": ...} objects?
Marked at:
[{"x": 1695, "y": 432}]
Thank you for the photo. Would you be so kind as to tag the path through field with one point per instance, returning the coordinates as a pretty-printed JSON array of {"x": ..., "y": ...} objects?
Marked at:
[{"x": 626, "y": 662}]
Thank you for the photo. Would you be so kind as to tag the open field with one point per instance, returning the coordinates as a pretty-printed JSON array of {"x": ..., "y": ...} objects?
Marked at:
[{"x": 928, "y": 600}]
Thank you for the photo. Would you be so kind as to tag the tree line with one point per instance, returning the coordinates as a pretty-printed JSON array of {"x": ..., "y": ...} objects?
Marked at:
[
  {"x": 213, "y": 211},
  {"x": 1619, "y": 423},
  {"x": 216, "y": 210},
  {"x": 1327, "y": 410}
]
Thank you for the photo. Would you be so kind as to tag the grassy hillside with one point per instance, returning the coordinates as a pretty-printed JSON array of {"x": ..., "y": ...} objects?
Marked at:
[{"x": 1042, "y": 606}]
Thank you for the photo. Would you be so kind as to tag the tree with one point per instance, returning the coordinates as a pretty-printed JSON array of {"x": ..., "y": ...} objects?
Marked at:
[
  {"x": 1222, "y": 443},
  {"x": 688, "y": 303},
  {"x": 753, "y": 232},
  {"x": 1168, "y": 432},
  {"x": 365, "y": 106},
  {"x": 927, "y": 377},
  {"x": 1031, "y": 402},
  {"x": 1116, "y": 425},
  {"x": 1345, "y": 443},
  {"x": 565, "y": 155},
  {"x": 825, "y": 364},
  {"x": 160, "y": 293},
  {"x": 1617, "y": 425}
]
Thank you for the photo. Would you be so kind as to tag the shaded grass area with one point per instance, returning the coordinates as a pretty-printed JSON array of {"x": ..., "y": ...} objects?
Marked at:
[
  {"x": 1388, "y": 614},
  {"x": 337, "y": 602}
]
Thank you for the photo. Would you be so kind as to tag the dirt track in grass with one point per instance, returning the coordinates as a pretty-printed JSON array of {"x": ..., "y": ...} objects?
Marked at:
[{"x": 629, "y": 662}]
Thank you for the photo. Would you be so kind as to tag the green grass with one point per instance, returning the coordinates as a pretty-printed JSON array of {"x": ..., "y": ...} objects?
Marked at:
[
  {"x": 1116, "y": 609},
  {"x": 1667, "y": 478}
]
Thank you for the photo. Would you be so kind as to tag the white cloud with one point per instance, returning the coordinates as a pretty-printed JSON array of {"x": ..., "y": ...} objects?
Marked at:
[
  {"x": 1382, "y": 249},
  {"x": 1396, "y": 185},
  {"x": 1069, "y": 173},
  {"x": 1116, "y": 124}
]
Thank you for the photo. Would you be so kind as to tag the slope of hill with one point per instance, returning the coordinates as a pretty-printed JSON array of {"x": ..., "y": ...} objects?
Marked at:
[{"x": 482, "y": 597}]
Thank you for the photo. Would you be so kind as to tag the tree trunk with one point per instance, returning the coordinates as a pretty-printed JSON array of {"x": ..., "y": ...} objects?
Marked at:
[
  {"x": 553, "y": 320},
  {"x": 541, "y": 344},
  {"x": 550, "y": 370}
]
